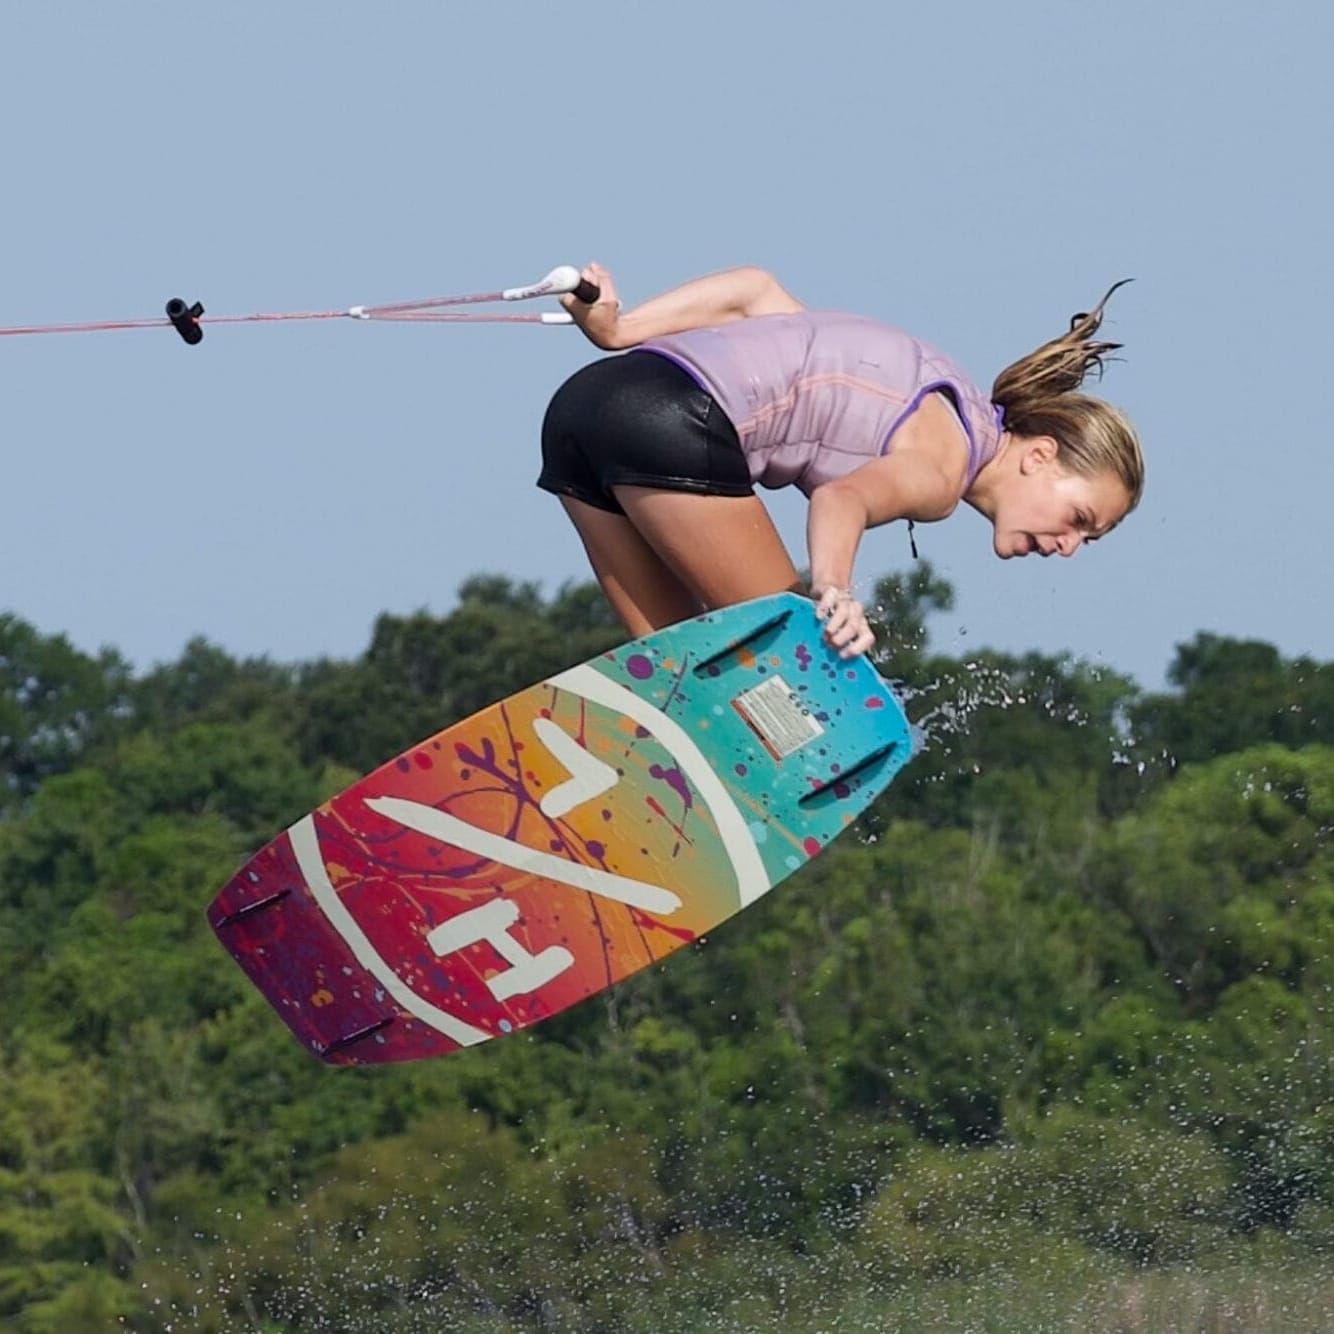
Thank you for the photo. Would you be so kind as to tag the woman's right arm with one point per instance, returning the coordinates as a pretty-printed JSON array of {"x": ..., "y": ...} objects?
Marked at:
[
  {"x": 717, "y": 298},
  {"x": 922, "y": 479}
]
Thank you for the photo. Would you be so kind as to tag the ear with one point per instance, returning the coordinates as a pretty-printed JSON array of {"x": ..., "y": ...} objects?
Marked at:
[{"x": 1040, "y": 451}]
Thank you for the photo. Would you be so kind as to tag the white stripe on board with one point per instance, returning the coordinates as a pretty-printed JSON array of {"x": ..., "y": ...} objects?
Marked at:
[
  {"x": 752, "y": 878},
  {"x": 306, "y": 846},
  {"x": 438, "y": 824},
  {"x": 589, "y": 776}
]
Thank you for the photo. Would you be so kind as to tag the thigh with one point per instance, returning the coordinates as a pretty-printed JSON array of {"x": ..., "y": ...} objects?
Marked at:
[
  {"x": 724, "y": 549},
  {"x": 643, "y": 591}
]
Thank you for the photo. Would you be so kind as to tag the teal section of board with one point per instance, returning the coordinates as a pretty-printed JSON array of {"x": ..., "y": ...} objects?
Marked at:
[{"x": 802, "y": 739}]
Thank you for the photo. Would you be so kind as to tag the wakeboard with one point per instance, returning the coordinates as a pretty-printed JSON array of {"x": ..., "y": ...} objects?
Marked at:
[{"x": 560, "y": 840}]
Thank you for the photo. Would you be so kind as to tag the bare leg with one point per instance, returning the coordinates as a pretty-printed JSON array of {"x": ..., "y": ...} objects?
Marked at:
[
  {"x": 724, "y": 549},
  {"x": 643, "y": 592}
]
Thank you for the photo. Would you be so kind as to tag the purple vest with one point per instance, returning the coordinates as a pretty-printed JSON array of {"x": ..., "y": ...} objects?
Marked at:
[{"x": 816, "y": 394}]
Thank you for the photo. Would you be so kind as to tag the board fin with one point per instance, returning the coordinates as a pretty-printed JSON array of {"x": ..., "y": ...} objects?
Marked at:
[
  {"x": 830, "y": 785},
  {"x": 744, "y": 641},
  {"x": 266, "y": 902},
  {"x": 357, "y": 1035}
]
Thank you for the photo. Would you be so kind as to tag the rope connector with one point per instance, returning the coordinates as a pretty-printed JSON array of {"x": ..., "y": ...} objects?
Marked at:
[
  {"x": 186, "y": 319},
  {"x": 358, "y": 312}
]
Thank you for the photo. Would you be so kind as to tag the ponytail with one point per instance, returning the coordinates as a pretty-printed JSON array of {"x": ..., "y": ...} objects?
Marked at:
[{"x": 1037, "y": 397}]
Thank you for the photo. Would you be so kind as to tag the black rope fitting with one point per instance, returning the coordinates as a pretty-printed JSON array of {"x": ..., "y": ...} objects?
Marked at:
[{"x": 186, "y": 319}]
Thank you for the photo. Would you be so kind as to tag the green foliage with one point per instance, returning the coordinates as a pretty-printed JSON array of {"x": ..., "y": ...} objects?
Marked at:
[
  {"x": 206, "y": 685},
  {"x": 58, "y": 1213},
  {"x": 1230, "y": 871},
  {"x": 1055, "y": 1014},
  {"x": 421, "y": 673},
  {"x": 898, "y": 610},
  {"x": 49, "y": 862},
  {"x": 56, "y": 703},
  {"x": 239, "y": 771},
  {"x": 1074, "y": 1186},
  {"x": 1003, "y": 732},
  {"x": 1236, "y": 693}
]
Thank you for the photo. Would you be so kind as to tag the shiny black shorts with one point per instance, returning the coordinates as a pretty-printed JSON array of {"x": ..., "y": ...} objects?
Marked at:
[{"x": 638, "y": 420}]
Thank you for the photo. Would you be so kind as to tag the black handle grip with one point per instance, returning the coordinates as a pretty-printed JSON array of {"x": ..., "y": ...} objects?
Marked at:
[
  {"x": 186, "y": 319},
  {"x": 586, "y": 292}
]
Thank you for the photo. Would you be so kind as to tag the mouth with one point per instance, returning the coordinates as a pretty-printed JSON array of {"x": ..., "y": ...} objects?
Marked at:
[
  {"x": 1032, "y": 546},
  {"x": 1022, "y": 544}
]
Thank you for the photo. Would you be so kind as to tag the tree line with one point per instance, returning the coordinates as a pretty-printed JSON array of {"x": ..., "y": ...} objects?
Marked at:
[{"x": 1059, "y": 1001}]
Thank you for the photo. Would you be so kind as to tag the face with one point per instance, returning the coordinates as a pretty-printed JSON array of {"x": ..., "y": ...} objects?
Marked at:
[{"x": 1048, "y": 511}]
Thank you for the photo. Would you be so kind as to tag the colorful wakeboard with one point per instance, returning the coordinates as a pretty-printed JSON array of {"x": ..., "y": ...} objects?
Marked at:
[{"x": 556, "y": 842}]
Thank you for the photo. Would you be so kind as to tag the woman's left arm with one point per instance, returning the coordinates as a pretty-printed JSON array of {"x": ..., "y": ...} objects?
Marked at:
[{"x": 901, "y": 486}]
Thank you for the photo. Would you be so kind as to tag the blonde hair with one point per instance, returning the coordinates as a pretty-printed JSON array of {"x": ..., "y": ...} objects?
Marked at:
[{"x": 1037, "y": 396}]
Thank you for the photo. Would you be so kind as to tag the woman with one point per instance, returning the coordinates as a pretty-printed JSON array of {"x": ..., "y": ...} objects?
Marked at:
[{"x": 731, "y": 381}]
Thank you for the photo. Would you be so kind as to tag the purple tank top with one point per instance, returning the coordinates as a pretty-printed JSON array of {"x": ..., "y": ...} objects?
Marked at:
[{"x": 816, "y": 394}]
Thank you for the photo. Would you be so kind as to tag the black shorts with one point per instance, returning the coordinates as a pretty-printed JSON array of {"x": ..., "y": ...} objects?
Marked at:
[{"x": 638, "y": 420}]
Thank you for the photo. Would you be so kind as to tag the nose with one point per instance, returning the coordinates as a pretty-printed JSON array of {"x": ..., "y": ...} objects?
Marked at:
[{"x": 1068, "y": 543}]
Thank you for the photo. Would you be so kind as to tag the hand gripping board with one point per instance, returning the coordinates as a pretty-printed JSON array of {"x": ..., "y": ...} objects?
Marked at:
[{"x": 556, "y": 842}]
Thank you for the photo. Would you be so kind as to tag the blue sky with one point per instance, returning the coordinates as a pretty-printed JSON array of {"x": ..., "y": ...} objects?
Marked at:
[{"x": 975, "y": 172}]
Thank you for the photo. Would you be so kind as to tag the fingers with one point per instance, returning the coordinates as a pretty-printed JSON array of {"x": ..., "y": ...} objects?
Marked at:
[
  {"x": 846, "y": 628},
  {"x": 598, "y": 320},
  {"x": 600, "y": 277}
]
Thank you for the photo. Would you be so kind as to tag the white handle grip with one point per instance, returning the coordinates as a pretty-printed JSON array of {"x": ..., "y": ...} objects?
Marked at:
[{"x": 563, "y": 278}]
